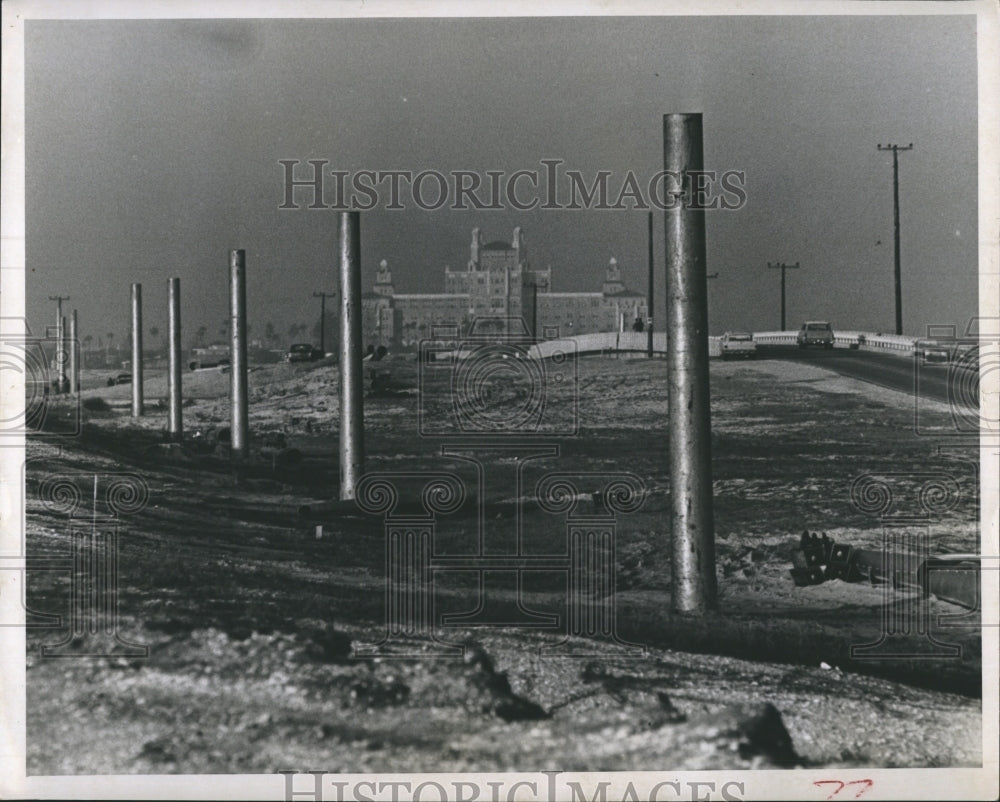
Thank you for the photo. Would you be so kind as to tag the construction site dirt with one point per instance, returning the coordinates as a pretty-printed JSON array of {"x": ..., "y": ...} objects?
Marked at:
[{"x": 254, "y": 632}]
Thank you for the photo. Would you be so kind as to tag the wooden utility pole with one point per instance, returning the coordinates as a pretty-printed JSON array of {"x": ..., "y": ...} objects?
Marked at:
[
  {"x": 895, "y": 213},
  {"x": 322, "y": 317},
  {"x": 783, "y": 267}
]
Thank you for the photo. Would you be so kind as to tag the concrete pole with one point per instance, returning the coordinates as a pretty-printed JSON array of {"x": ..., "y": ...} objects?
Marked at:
[
  {"x": 693, "y": 587},
  {"x": 64, "y": 386},
  {"x": 60, "y": 325},
  {"x": 352, "y": 410},
  {"x": 238, "y": 353},
  {"x": 175, "y": 422},
  {"x": 137, "y": 351},
  {"x": 74, "y": 362},
  {"x": 649, "y": 293}
]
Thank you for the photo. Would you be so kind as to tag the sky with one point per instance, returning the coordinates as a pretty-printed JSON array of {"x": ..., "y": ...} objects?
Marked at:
[{"x": 153, "y": 147}]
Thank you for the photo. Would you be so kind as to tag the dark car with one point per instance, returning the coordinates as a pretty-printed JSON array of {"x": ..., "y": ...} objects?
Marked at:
[
  {"x": 121, "y": 378},
  {"x": 303, "y": 352}
]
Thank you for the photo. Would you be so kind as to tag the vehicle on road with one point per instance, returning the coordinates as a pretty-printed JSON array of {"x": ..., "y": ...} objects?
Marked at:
[
  {"x": 738, "y": 344},
  {"x": 815, "y": 332},
  {"x": 933, "y": 351},
  {"x": 120, "y": 378},
  {"x": 303, "y": 352}
]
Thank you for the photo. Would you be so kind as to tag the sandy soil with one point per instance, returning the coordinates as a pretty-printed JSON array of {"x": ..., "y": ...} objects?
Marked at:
[{"x": 252, "y": 612}]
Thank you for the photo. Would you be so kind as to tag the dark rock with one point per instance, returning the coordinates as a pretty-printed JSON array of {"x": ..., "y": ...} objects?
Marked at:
[
  {"x": 763, "y": 733},
  {"x": 326, "y": 644},
  {"x": 158, "y": 751},
  {"x": 495, "y": 694}
]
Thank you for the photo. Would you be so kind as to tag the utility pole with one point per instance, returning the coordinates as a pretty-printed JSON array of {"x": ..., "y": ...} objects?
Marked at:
[
  {"x": 783, "y": 268},
  {"x": 60, "y": 344},
  {"x": 895, "y": 211},
  {"x": 322, "y": 317}
]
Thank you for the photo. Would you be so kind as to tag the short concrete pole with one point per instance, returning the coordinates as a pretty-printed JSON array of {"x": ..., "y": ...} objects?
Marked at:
[
  {"x": 74, "y": 360},
  {"x": 238, "y": 353},
  {"x": 175, "y": 423},
  {"x": 693, "y": 586},
  {"x": 352, "y": 410},
  {"x": 137, "y": 405}
]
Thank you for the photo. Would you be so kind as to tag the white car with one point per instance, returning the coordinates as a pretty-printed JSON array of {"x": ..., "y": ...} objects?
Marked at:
[{"x": 738, "y": 344}]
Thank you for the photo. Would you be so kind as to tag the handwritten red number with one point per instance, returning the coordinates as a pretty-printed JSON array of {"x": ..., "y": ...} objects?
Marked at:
[
  {"x": 841, "y": 785},
  {"x": 838, "y": 783}
]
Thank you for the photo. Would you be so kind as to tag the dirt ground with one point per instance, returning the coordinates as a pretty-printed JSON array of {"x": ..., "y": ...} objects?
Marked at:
[{"x": 253, "y": 612}]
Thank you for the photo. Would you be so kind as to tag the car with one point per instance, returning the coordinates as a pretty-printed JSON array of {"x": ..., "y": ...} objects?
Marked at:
[
  {"x": 815, "y": 332},
  {"x": 738, "y": 344},
  {"x": 120, "y": 378},
  {"x": 303, "y": 352},
  {"x": 932, "y": 351}
]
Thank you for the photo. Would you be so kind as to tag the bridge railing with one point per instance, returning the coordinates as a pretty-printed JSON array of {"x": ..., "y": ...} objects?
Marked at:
[{"x": 637, "y": 341}]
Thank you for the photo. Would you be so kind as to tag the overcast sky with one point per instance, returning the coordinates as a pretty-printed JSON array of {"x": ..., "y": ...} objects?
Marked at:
[{"x": 153, "y": 148}]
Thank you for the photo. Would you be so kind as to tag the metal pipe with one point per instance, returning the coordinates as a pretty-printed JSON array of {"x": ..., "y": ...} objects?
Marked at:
[
  {"x": 238, "y": 353},
  {"x": 352, "y": 411},
  {"x": 63, "y": 358},
  {"x": 74, "y": 361},
  {"x": 175, "y": 421},
  {"x": 649, "y": 293},
  {"x": 693, "y": 587},
  {"x": 60, "y": 324},
  {"x": 137, "y": 405}
]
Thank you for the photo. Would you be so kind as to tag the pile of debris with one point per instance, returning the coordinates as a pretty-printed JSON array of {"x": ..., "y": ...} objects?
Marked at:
[{"x": 951, "y": 577}]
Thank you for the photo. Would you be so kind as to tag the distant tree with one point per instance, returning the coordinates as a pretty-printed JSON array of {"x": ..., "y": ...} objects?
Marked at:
[
  {"x": 199, "y": 337},
  {"x": 270, "y": 334},
  {"x": 87, "y": 341}
]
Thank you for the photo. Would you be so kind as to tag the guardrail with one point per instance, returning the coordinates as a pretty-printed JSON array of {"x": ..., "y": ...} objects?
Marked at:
[
  {"x": 609, "y": 342},
  {"x": 866, "y": 341}
]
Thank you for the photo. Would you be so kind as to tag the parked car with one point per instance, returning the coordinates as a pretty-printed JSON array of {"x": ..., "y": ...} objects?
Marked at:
[
  {"x": 815, "y": 332},
  {"x": 738, "y": 344},
  {"x": 303, "y": 352},
  {"x": 121, "y": 378}
]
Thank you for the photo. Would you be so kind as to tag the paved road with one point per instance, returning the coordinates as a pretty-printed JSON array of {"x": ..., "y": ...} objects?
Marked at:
[{"x": 934, "y": 381}]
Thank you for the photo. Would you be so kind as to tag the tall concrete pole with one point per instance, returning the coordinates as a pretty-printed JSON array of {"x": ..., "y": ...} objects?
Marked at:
[
  {"x": 649, "y": 293},
  {"x": 64, "y": 385},
  {"x": 175, "y": 423},
  {"x": 74, "y": 361},
  {"x": 137, "y": 351},
  {"x": 238, "y": 353},
  {"x": 352, "y": 410},
  {"x": 693, "y": 587},
  {"x": 60, "y": 344}
]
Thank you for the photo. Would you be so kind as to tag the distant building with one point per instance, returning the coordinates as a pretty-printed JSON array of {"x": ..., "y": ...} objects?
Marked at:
[{"x": 498, "y": 281}]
